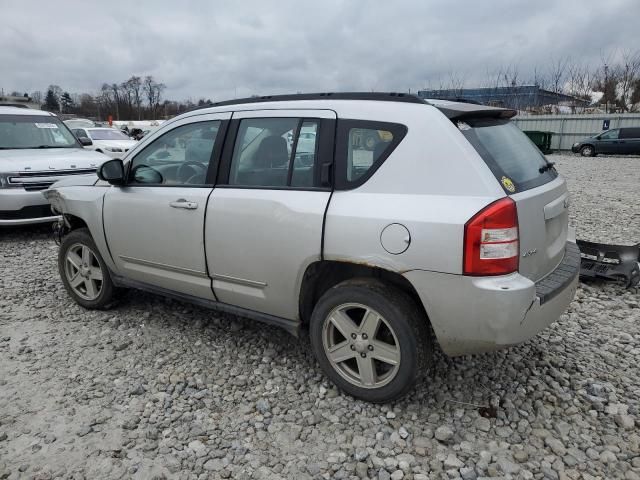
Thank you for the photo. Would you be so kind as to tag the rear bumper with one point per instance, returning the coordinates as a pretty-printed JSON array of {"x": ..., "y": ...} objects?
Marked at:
[
  {"x": 479, "y": 314},
  {"x": 575, "y": 148},
  {"x": 21, "y": 207}
]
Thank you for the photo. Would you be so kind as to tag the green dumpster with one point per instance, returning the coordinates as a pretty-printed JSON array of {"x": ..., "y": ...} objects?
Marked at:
[{"x": 541, "y": 139}]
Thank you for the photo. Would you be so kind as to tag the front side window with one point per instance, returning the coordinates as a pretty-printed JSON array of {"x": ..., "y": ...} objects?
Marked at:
[
  {"x": 275, "y": 152},
  {"x": 610, "y": 135},
  {"x": 34, "y": 131},
  {"x": 179, "y": 157}
]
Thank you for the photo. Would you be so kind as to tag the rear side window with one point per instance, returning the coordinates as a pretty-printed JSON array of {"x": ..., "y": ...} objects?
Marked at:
[
  {"x": 514, "y": 159},
  {"x": 361, "y": 147},
  {"x": 630, "y": 133}
]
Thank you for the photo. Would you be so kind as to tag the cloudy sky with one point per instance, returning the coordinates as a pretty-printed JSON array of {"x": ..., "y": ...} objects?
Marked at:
[{"x": 221, "y": 50}]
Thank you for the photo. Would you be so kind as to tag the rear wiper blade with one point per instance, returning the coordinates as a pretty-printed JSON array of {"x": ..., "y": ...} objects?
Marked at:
[{"x": 548, "y": 166}]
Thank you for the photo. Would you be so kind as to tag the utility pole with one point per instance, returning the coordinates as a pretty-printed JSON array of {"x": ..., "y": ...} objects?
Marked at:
[{"x": 606, "y": 82}]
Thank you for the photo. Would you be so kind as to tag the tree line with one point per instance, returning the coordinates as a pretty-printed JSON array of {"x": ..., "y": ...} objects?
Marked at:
[
  {"x": 612, "y": 84},
  {"x": 137, "y": 98}
]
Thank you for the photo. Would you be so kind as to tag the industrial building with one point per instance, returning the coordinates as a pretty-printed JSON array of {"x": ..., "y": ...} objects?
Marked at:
[{"x": 523, "y": 97}]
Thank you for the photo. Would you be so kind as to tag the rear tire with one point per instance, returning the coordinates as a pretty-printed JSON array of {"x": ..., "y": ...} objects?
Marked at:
[
  {"x": 83, "y": 271},
  {"x": 370, "y": 339},
  {"x": 588, "y": 151}
]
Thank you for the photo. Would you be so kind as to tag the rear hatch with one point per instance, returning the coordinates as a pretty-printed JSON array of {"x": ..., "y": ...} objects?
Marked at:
[{"x": 527, "y": 177}]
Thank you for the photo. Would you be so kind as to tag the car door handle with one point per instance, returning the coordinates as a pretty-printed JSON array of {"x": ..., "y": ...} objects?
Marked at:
[{"x": 182, "y": 203}]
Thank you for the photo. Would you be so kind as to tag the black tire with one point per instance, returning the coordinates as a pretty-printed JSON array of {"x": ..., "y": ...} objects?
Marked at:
[
  {"x": 588, "y": 151},
  {"x": 107, "y": 292},
  {"x": 400, "y": 312}
]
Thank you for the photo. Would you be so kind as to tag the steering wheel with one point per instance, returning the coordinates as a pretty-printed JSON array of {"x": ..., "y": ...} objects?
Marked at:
[{"x": 187, "y": 170}]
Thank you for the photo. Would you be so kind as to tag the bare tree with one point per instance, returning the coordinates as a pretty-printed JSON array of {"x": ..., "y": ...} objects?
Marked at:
[
  {"x": 557, "y": 71},
  {"x": 628, "y": 74}
]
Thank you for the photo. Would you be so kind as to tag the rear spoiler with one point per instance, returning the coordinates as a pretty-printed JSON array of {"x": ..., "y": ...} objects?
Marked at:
[{"x": 461, "y": 111}]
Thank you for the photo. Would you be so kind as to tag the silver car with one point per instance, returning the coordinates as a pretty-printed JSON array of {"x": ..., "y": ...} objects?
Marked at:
[
  {"x": 36, "y": 150},
  {"x": 408, "y": 222}
]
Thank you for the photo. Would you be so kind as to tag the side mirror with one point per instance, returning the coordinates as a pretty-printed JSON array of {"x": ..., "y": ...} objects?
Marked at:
[
  {"x": 85, "y": 141},
  {"x": 112, "y": 171}
]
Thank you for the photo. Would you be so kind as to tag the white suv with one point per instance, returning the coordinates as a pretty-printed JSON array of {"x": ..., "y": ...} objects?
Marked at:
[
  {"x": 405, "y": 219},
  {"x": 36, "y": 150}
]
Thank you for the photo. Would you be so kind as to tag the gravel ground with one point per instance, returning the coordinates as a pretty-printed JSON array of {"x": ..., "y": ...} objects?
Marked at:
[{"x": 161, "y": 389}]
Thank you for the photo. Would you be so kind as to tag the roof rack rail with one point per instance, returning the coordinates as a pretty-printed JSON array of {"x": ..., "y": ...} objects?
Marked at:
[{"x": 377, "y": 96}]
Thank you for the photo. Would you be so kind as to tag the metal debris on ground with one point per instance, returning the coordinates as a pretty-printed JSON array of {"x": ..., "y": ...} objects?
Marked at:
[{"x": 619, "y": 263}]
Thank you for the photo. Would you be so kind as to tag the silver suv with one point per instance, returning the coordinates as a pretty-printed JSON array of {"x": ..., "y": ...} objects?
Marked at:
[
  {"x": 36, "y": 150},
  {"x": 377, "y": 223}
]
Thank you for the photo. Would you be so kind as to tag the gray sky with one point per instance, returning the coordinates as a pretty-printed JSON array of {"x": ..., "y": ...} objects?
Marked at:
[{"x": 222, "y": 49}]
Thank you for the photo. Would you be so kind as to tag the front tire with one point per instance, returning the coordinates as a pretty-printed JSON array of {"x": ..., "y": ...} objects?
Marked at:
[
  {"x": 588, "y": 151},
  {"x": 83, "y": 272},
  {"x": 370, "y": 339}
]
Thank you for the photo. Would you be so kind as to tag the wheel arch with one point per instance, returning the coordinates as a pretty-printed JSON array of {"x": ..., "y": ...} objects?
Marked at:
[{"x": 322, "y": 275}]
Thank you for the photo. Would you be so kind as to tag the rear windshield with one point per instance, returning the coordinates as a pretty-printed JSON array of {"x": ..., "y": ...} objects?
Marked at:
[
  {"x": 513, "y": 158},
  {"x": 107, "y": 134}
]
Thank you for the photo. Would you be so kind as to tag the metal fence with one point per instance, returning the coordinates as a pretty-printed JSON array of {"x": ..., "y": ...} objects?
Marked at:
[{"x": 568, "y": 129}]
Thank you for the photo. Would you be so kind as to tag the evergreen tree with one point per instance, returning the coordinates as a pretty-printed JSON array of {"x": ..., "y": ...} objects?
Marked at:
[
  {"x": 51, "y": 102},
  {"x": 66, "y": 102}
]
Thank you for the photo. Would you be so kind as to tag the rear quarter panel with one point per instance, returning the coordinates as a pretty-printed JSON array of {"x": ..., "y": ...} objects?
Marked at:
[{"x": 432, "y": 183}]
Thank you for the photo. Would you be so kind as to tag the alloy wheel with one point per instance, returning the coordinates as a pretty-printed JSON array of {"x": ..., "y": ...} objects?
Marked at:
[
  {"x": 361, "y": 345},
  {"x": 83, "y": 271}
]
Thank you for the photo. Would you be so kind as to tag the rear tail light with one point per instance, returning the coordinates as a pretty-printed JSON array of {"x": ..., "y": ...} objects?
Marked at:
[{"x": 491, "y": 240}]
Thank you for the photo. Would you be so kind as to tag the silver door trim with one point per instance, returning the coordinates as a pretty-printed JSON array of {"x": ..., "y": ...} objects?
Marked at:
[
  {"x": 239, "y": 281},
  {"x": 163, "y": 266}
]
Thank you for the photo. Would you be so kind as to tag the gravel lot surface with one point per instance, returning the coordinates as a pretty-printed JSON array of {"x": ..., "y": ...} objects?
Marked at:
[{"x": 160, "y": 389}]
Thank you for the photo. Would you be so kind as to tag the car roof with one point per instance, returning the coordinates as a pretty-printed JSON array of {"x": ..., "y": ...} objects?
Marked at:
[
  {"x": 5, "y": 110},
  {"x": 329, "y": 100}
]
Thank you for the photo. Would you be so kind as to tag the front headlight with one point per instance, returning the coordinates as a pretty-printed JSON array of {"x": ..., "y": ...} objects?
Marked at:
[
  {"x": 5, "y": 183},
  {"x": 113, "y": 149}
]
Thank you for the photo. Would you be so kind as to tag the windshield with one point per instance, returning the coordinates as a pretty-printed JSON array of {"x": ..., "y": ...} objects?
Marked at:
[
  {"x": 34, "y": 131},
  {"x": 106, "y": 134},
  {"x": 514, "y": 159}
]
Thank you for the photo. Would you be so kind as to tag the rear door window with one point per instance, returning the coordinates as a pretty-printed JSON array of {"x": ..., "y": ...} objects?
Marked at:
[
  {"x": 362, "y": 146},
  {"x": 512, "y": 157}
]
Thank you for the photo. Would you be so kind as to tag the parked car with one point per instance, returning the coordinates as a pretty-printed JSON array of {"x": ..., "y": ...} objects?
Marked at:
[
  {"x": 73, "y": 123},
  {"x": 110, "y": 141},
  {"x": 410, "y": 215},
  {"x": 619, "y": 141},
  {"x": 36, "y": 150}
]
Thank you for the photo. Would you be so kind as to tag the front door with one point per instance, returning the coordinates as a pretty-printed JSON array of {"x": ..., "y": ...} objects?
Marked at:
[
  {"x": 608, "y": 142},
  {"x": 265, "y": 216},
  {"x": 155, "y": 224}
]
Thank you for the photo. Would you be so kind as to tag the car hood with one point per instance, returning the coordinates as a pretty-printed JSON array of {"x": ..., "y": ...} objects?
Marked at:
[
  {"x": 115, "y": 143},
  {"x": 49, "y": 159}
]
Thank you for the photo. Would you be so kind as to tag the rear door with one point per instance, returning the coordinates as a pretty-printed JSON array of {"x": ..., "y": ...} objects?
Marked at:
[
  {"x": 265, "y": 217},
  {"x": 539, "y": 192}
]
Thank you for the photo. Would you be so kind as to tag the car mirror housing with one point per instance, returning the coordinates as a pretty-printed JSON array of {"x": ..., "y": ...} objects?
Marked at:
[
  {"x": 85, "y": 141},
  {"x": 112, "y": 171}
]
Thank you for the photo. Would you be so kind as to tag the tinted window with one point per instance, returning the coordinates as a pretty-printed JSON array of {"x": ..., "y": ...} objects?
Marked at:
[
  {"x": 34, "y": 131},
  {"x": 610, "y": 135},
  {"x": 630, "y": 133},
  {"x": 275, "y": 152},
  {"x": 508, "y": 152},
  {"x": 179, "y": 157},
  {"x": 366, "y": 146}
]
